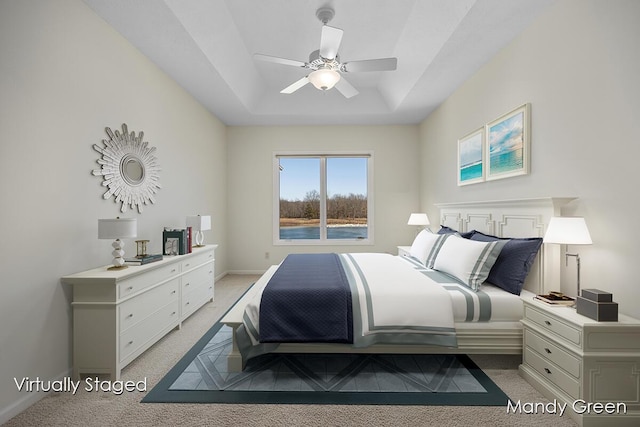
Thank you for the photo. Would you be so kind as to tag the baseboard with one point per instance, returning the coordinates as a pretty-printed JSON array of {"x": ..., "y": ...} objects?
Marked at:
[{"x": 27, "y": 400}]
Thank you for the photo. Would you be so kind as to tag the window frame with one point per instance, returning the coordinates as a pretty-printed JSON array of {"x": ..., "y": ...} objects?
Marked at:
[{"x": 322, "y": 241}]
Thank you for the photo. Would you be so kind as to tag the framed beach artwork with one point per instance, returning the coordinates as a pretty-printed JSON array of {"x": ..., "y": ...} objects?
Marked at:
[
  {"x": 507, "y": 147},
  {"x": 471, "y": 158}
]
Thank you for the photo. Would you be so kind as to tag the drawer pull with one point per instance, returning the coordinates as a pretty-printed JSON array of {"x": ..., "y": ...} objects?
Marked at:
[
  {"x": 187, "y": 284},
  {"x": 546, "y": 322},
  {"x": 547, "y": 350},
  {"x": 173, "y": 313},
  {"x": 173, "y": 271},
  {"x": 173, "y": 292},
  {"x": 547, "y": 370},
  {"x": 130, "y": 316},
  {"x": 187, "y": 265},
  {"x": 187, "y": 303},
  {"x": 130, "y": 288},
  {"x": 130, "y": 342}
]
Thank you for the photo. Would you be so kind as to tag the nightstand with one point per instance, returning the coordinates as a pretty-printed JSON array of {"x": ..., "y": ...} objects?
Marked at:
[
  {"x": 404, "y": 250},
  {"x": 593, "y": 367}
]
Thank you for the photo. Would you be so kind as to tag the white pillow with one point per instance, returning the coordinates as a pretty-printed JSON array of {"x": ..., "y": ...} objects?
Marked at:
[
  {"x": 469, "y": 261},
  {"x": 426, "y": 245}
]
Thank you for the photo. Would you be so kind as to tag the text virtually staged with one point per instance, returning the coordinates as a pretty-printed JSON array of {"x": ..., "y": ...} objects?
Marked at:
[{"x": 89, "y": 384}]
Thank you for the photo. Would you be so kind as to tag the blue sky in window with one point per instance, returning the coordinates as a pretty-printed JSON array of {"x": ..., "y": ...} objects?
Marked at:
[{"x": 345, "y": 176}]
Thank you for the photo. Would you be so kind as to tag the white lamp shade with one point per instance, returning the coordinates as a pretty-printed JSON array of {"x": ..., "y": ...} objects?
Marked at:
[
  {"x": 418, "y": 219},
  {"x": 199, "y": 222},
  {"x": 324, "y": 79},
  {"x": 117, "y": 228},
  {"x": 567, "y": 231}
]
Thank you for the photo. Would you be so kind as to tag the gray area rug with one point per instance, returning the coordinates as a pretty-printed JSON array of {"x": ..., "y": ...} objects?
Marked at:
[{"x": 202, "y": 377}]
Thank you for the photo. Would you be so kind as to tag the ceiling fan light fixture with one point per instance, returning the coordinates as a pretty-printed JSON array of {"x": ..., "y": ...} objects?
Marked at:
[{"x": 324, "y": 79}]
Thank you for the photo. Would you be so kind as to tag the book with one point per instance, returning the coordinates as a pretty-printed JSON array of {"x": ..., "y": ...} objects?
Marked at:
[
  {"x": 556, "y": 298},
  {"x": 141, "y": 260}
]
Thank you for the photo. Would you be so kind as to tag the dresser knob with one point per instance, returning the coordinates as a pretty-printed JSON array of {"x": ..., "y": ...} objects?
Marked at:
[
  {"x": 547, "y": 350},
  {"x": 546, "y": 322},
  {"x": 173, "y": 292},
  {"x": 547, "y": 370},
  {"x": 130, "y": 316},
  {"x": 130, "y": 288},
  {"x": 173, "y": 271},
  {"x": 173, "y": 313},
  {"x": 130, "y": 342},
  {"x": 187, "y": 265},
  {"x": 187, "y": 284}
]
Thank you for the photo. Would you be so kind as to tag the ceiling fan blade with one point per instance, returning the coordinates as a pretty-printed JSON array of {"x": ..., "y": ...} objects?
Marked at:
[
  {"x": 345, "y": 88},
  {"x": 295, "y": 86},
  {"x": 330, "y": 41},
  {"x": 382, "y": 64},
  {"x": 278, "y": 60}
]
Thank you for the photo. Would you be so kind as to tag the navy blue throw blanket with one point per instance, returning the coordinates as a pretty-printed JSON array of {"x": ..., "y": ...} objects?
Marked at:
[{"x": 308, "y": 299}]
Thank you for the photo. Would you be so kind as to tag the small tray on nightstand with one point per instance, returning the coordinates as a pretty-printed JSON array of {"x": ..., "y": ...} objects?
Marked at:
[{"x": 556, "y": 298}]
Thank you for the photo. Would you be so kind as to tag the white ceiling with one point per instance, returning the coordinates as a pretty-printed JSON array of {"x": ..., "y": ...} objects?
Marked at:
[{"x": 207, "y": 46}]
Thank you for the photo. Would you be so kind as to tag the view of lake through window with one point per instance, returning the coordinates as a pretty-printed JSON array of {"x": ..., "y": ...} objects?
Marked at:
[{"x": 323, "y": 197}]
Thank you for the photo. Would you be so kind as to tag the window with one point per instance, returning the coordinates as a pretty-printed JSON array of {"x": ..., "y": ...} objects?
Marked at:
[{"x": 323, "y": 199}]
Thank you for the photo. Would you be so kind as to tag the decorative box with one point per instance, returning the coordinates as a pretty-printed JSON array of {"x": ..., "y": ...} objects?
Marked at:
[
  {"x": 597, "y": 295},
  {"x": 602, "y": 311}
]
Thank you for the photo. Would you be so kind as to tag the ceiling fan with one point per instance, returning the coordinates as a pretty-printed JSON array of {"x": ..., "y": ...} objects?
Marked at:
[{"x": 324, "y": 63}]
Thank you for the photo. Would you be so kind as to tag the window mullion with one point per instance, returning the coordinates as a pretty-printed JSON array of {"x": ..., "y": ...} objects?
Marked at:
[{"x": 323, "y": 198}]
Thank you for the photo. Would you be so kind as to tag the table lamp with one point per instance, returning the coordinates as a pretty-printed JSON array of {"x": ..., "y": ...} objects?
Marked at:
[
  {"x": 419, "y": 219},
  {"x": 199, "y": 223},
  {"x": 568, "y": 231},
  {"x": 118, "y": 228}
]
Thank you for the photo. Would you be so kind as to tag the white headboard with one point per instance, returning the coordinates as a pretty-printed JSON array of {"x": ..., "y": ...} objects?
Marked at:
[{"x": 513, "y": 218}]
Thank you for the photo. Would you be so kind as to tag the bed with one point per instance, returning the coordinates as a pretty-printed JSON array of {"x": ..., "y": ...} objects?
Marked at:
[{"x": 446, "y": 272}]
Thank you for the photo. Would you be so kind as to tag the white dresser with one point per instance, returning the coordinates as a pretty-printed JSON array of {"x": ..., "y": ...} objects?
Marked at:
[
  {"x": 118, "y": 314},
  {"x": 574, "y": 359}
]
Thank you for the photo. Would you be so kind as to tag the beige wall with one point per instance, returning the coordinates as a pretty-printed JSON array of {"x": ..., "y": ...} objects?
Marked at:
[
  {"x": 65, "y": 76},
  {"x": 578, "y": 66},
  {"x": 250, "y": 185}
]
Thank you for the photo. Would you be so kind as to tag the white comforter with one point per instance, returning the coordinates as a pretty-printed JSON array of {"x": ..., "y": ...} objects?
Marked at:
[{"x": 393, "y": 302}]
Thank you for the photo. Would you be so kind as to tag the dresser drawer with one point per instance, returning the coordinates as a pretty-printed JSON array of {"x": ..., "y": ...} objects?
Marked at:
[
  {"x": 135, "y": 310},
  {"x": 554, "y": 325},
  {"x": 196, "y": 298},
  {"x": 551, "y": 352},
  {"x": 196, "y": 260},
  {"x": 145, "y": 331},
  {"x": 552, "y": 373},
  {"x": 150, "y": 277},
  {"x": 195, "y": 278}
]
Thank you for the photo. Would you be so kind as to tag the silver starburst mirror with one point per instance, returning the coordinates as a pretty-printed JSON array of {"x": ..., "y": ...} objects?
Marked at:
[{"x": 129, "y": 169}]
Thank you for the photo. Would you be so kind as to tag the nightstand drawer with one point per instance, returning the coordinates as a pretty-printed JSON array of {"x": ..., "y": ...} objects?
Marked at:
[
  {"x": 552, "y": 324},
  {"x": 552, "y": 373},
  {"x": 552, "y": 353}
]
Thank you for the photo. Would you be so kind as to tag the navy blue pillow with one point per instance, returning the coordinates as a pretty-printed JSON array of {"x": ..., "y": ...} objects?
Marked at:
[
  {"x": 448, "y": 230},
  {"x": 514, "y": 262}
]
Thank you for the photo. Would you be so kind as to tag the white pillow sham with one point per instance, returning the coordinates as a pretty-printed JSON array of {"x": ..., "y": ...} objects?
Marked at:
[
  {"x": 426, "y": 245},
  {"x": 469, "y": 261}
]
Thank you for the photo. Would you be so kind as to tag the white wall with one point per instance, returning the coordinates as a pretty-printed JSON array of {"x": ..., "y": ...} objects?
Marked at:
[
  {"x": 250, "y": 186},
  {"x": 65, "y": 75},
  {"x": 579, "y": 66}
]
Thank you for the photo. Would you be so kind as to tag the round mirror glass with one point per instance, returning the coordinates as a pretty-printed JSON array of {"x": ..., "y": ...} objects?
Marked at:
[{"x": 132, "y": 170}]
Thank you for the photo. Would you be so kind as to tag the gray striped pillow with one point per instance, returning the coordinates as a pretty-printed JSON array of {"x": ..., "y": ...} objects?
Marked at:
[{"x": 468, "y": 261}]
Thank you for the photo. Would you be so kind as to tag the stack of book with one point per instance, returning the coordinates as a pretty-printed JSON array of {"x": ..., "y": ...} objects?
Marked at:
[
  {"x": 556, "y": 298},
  {"x": 176, "y": 241},
  {"x": 143, "y": 259}
]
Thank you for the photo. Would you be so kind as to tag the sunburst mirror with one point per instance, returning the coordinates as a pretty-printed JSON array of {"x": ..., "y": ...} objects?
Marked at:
[{"x": 129, "y": 169}]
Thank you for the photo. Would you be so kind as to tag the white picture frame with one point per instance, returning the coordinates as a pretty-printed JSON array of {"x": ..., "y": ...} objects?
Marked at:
[
  {"x": 508, "y": 144},
  {"x": 471, "y": 158}
]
